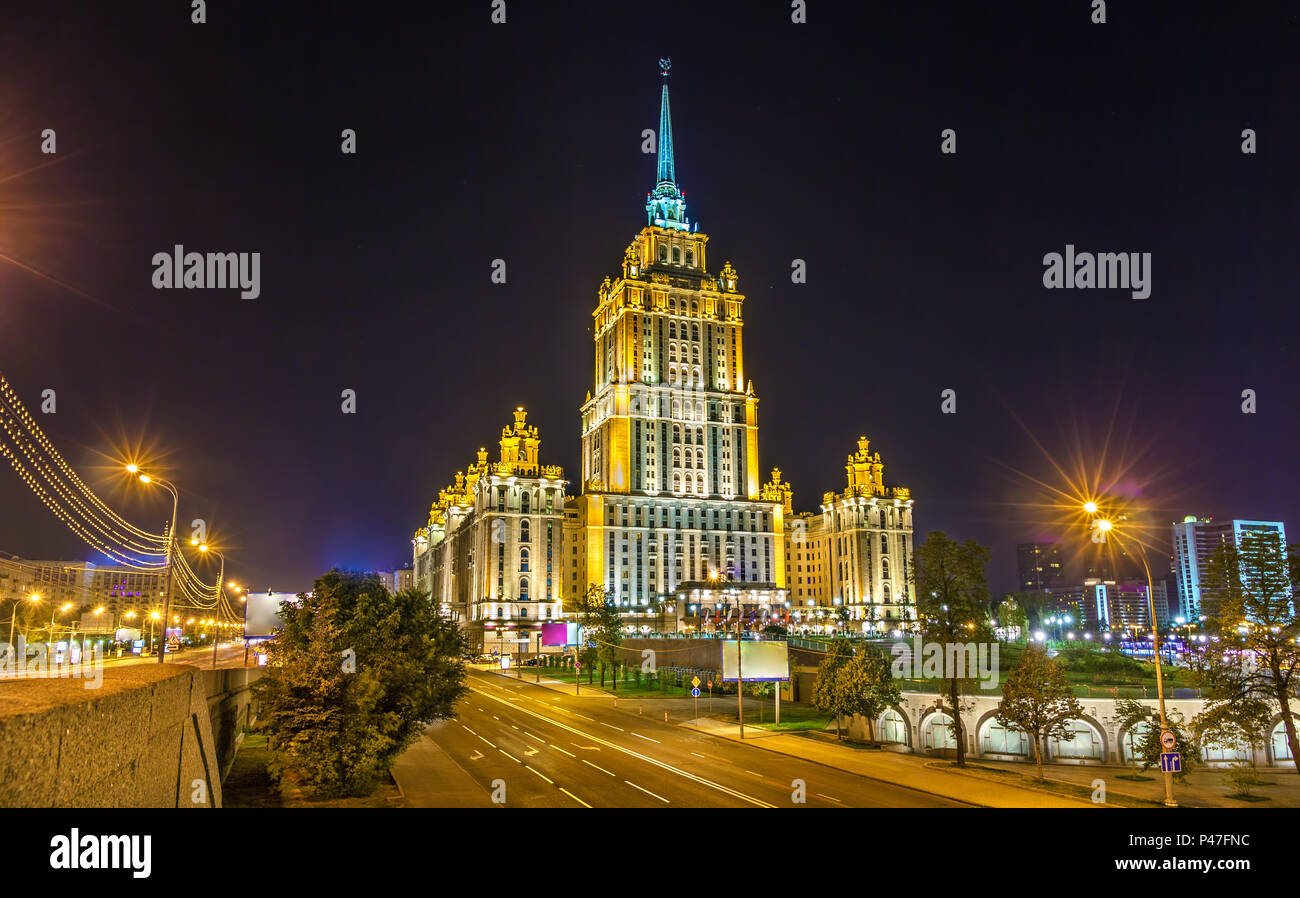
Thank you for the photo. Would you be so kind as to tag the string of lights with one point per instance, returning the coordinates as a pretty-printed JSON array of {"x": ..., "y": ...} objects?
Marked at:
[
  {"x": 104, "y": 530},
  {"x": 10, "y": 398},
  {"x": 45, "y": 472},
  {"x": 68, "y": 495}
]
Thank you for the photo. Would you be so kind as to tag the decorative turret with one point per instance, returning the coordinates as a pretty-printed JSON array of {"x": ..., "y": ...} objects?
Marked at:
[
  {"x": 777, "y": 491},
  {"x": 727, "y": 279},
  {"x": 865, "y": 473},
  {"x": 519, "y": 447}
]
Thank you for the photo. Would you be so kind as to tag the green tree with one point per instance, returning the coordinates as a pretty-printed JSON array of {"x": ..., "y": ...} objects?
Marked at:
[
  {"x": 1147, "y": 747},
  {"x": 1238, "y": 725},
  {"x": 876, "y": 688},
  {"x": 849, "y": 684},
  {"x": 1011, "y": 615},
  {"x": 603, "y": 626},
  {"x": 353, "y": 676},
  {"x": 1037, "y": 701},
  {"x": 1253, "y": 654},
  {"x": 826, "y": 692},
  {"x": 952, "y": 596}
]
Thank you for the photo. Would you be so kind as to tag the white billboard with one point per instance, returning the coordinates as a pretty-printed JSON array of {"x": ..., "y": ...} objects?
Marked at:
[
  {"x": 263, "y": 613},
  {"x": 760, "y": 660}
]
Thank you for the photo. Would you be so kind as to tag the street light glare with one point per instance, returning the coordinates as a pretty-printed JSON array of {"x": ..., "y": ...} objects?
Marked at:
[
  {"x": 132, "y": 468},
  {"x": 145, "y": 478},
  {"x": 1090, "y": 507},
  {"x": 1104, "y": 525}
]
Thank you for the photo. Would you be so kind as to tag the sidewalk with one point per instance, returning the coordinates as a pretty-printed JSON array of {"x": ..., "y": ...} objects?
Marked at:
[
  {"x": 1205, "y": 788},
  {"x": 893, "y": 767}
]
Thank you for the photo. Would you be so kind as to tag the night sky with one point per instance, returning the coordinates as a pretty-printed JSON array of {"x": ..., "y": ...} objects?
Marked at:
[{"x": 523, "y": 142}]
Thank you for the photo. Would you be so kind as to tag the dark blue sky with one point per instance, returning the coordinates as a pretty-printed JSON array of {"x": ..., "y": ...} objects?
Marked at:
[{"x": 522, "y": 142}]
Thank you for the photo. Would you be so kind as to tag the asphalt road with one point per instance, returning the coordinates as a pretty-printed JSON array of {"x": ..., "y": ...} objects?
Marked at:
[
  {"x": 229, "y": 654},
  {"x": 548, "y": 749}
]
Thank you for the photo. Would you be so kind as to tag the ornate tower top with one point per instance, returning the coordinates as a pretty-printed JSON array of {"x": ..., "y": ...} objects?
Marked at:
[{"x": 666, "y": 204}]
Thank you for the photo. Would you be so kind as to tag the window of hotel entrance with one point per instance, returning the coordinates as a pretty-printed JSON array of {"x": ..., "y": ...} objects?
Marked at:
[
  {"x": 892, "y": 727},
  {"x": 936, "y": 733},
  {"x": 1086, "y": 744},
  {"x": 1281, "y": 748}
]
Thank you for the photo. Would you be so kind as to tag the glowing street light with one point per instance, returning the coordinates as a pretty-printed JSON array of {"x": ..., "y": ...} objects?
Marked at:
[
  {"x": 171, "y": 535},
  {"x": 1106, "y": 526}
]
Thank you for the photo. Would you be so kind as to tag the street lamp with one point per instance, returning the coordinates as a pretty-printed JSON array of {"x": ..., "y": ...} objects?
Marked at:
[
  {"x": 171, "y": 535},
  {"x": 1106, "y": 526},
  {"x": 13, "y": 616},
  {"x": 243, "y": 597}
]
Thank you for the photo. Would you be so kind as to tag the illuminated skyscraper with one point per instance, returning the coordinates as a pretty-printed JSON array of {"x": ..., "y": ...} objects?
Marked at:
[{"x": 670, "y": 500}]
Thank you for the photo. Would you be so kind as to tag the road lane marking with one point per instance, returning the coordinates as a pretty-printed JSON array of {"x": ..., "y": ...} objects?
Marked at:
[
  {"x": 477, "y": 756},
  {"x": 636, "y": 754},
  {"x": 557, "y": 748},
  {"x": 597, "y": 766},
  {"x": 647, "y": 792},
  {"x": 531, "y": 736},
  {"x": 574, "y": 797},
  {"x": 469, "y": 729},
  {"x": 510, "y": 756},
  {"x": 831, "y": 797},
  {"x": 759, "y": 775},
  {"x": 539, "y": 773},
  {"x": 493, "y": 744},
  {"x": 647, "y": 739},
  {"x": 612, "y": 727},
  {"x": 714, "y": 757},
  {"x": 585, "y": 747}
]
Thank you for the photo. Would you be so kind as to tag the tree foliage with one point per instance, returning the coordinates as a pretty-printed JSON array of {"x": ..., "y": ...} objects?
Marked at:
[
  {"x": 849, "y": 684},
  {"x": 952, "y": 597},
  {"x": 1037, "y": 701},
  {"x": 1147, "y": 747},
  {"x": 1252, "y": 656},
  {"x": 602, "y": 629},
  {"x": 353, "y": 677}
]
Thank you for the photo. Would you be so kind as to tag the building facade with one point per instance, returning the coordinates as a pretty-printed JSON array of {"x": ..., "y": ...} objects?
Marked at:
[
  {"x": 490, "y": 552},
  {"x": 670, "y": 505},
  {"x": 855, "y": 555},
  {"x": 1195, "y": 542},
  {"x": 671, "y": 520},
  {"x": 1039, "y": 565}
]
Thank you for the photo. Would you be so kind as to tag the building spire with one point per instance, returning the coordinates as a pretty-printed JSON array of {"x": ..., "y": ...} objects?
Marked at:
[
  {"x": 666, "y": 204},
  {"x": 666, "y": 174}
]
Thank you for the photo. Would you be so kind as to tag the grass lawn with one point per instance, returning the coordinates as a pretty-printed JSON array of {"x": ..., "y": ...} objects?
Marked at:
[{"x": 629, "y": 688}]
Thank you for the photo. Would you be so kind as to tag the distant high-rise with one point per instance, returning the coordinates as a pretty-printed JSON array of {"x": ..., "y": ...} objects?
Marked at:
[
  {"x": 1039, "y": 564},
  {"x": 1195, "y": 542}
]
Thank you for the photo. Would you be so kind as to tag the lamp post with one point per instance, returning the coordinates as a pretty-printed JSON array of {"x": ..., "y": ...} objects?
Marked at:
[
  {"x": 171, "y": 536},
  {"x": 1105, "y": 527},
  {"x": 221, "y": 574},
  {"x": 34, "y": 597},
  {"x": 243, "y": 597}
]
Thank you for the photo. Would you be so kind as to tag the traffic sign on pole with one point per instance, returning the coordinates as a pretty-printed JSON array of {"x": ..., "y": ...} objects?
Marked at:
[
  {"x": 695, "y": 681},
  {"x": 1171, "y": 762},
  {"x": 1167, "y": 740},
  {"x": 695, "y": 691}
]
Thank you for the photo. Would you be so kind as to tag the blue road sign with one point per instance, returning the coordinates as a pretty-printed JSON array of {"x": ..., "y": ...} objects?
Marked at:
[
  {"x": 1171, "y": 762},
  {"x": 695, "y": 691}
]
